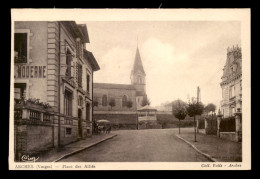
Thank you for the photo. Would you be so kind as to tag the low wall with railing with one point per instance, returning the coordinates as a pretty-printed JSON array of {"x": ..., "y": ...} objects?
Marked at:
[
  {"x": 145, "y": 118},
  {"x": 36, "y": 129},
  {"x": 228, "y": 136}
]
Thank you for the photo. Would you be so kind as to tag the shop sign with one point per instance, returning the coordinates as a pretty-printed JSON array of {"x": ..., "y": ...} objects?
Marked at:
[{"x": 28, "y": 71}]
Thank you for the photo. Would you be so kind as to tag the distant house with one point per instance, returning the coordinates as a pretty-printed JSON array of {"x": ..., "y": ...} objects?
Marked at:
[{"x": 232, "y": 82}]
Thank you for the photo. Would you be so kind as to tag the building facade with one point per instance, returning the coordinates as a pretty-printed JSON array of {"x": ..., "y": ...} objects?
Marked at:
[
  {"x": 53, "y": 68},
  {"x": 122, "y": 94},
  {"x": 232, "y": 82}
]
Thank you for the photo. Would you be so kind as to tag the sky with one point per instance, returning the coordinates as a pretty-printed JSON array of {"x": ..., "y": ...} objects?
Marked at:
[{"x": 177, "y": 56}]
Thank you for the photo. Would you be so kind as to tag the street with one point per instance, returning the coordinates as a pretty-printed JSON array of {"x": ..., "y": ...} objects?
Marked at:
[{"x": 153, "y": 145}]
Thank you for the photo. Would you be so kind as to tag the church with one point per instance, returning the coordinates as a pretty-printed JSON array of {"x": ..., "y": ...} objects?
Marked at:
[{"x": 122, "y": 98}]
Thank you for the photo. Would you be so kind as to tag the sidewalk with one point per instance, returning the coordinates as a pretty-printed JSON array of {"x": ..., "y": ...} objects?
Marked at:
[
  {"x": 57, "y": 154},
  {"x": 219, "y": 150}
]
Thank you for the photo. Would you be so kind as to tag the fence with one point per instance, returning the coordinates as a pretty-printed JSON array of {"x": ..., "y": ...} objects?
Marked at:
[
  {"x": 228, "y": 124},
  {"x": 211, "y": 125}
]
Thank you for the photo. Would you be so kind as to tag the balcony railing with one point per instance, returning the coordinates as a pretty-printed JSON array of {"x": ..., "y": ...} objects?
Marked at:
[
  {"x": 32, "y": 111},
  {"x": 35, "y": 115},
  {"x": 69, "y": 80}
]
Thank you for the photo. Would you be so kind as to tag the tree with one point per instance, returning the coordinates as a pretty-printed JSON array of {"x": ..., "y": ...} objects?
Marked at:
[
  {"x": 210, "y": 107},
  {"x": 129, "y": 104},
  {"x": 112, "y": 103},
  {"x": 179, "y": 110},
  {"x": 145, "y": 101},
  {"x": 194, "y": 108}
]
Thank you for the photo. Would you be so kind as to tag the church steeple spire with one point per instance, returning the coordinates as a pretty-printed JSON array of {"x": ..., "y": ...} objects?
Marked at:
[{"x": 138, "y": 65}]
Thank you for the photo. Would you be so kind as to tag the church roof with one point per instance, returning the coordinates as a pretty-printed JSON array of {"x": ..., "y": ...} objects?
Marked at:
[
  {"x": 113, "y": 86},
  {"x": 138, "y": 65}
]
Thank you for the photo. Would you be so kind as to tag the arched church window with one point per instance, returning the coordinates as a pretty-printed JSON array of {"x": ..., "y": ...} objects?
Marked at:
[
  {"x": 124, "y": 101},
  {"x": 104, "y": 100}
]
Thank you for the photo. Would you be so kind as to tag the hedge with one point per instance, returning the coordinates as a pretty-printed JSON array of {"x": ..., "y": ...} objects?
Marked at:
[
  {"x": 175, "y": 124},
  {"x": 169, "y": 117}
]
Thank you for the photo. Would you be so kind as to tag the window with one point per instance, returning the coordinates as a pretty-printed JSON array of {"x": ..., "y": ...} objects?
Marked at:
[
  {"x": 88, "y": 112},
  {"x": 19, "y": 90},
  {"x": 68, "y": 121},
  {"x": 88, "y": 81},
  {"x": 124, "y": 101},
  {"x": 233, "y": 111},
  {"x": 80, "y": 101},
  {"x": 68, "y": 103},
  {"x": 79, "y": 48},
  {"x": 231, "y": 91},
  {"x": 79, "y": 75},
  {"x": 68, "y": 131},
  {"x": 68, "y": 63},
  {"x": 104, "y": 100},
  {"x": 20, "y": 47}
]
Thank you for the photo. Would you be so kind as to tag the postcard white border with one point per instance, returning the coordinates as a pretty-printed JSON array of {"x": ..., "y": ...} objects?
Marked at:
[{"x": 242, "y": 15}]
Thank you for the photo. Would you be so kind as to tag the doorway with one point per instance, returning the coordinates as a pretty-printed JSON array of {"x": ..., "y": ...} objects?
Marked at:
[{"x": 80, "y": 123}]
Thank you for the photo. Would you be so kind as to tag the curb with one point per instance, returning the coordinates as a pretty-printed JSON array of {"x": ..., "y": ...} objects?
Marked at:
[
  {"x": 204, "y": 154},
  {"x": 84, "y": 148}
]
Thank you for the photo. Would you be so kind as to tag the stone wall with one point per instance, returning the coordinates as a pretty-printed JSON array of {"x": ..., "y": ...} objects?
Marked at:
[
  {"x": 229, "y": 136},
  {"x": 39, "y": 137}
]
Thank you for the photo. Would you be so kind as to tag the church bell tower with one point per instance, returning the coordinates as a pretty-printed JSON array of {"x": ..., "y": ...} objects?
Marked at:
[{"x": 138, "y": 78}]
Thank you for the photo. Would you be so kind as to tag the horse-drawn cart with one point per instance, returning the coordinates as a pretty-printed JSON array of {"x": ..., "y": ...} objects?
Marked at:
[{"x": 103, "y": 126}]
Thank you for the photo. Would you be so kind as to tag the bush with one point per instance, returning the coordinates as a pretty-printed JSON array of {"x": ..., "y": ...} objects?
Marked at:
[
  {"x": 149, "y": 124},
  {"x": 228, "y": 124},
  {"x": 175, "y": 123}
]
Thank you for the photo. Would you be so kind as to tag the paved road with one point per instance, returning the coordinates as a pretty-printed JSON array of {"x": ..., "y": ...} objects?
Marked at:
[{"x": 153, "y": 145}]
